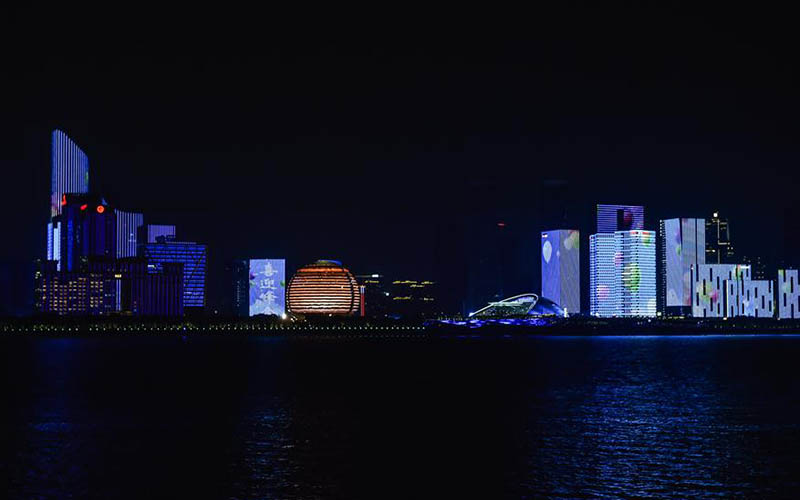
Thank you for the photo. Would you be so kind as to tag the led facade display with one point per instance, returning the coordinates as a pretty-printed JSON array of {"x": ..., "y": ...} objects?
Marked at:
[
  {"x": 70, "y": 170},
  {"x": 683, "y": 245},
  {"x": 788, "y": 294},
  {"x": 612, "y": 218},
  {"x": 267, "y": 286},
  {"x": 561, "y": 268},
  {"x": 128, "y": 224},
  {"x": 602, "y": 272}
]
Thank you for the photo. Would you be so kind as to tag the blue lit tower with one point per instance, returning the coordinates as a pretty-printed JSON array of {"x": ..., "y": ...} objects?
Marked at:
[
  {"x": 88, "y": 230},
  {"x": 561, "y": 268},
  {"x": 128, "y": 224},
  {"x": 69, "y": 174},
  {"x": 193, "y": 256},
  {"x": 70, "y": 170}
]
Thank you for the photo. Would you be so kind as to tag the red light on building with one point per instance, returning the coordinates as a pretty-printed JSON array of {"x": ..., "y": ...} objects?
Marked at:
[
  {"x": 501, "y": 224},
  {"x": 63, "y": 200},
  {"x": 100, "y": 209},
  {"x": 83, "y": 207}
]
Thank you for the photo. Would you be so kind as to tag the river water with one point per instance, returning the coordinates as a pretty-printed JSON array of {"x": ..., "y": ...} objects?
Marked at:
[{"x": 263, "y": 417}]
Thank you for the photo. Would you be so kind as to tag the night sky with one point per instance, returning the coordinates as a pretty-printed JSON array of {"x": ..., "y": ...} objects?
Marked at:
[{"x": 382, "y": 142}]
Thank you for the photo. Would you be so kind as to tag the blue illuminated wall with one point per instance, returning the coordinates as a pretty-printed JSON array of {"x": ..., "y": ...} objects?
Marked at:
[
  {"x": 267, "y": 286},
  {"x": 70, "y": 170},
  {"x": 194, "y": 259},
  {"x": 561, "y": 268},
  {"x": 128, "y": 224},
  {"x": 611, "y": 218}
]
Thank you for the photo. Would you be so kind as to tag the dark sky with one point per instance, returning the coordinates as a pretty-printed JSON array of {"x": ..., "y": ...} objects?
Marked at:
[{"x": 359, "y": 135}]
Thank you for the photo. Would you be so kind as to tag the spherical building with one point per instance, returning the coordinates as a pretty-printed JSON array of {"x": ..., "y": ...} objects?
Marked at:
[{"x": 324, "y": 287}]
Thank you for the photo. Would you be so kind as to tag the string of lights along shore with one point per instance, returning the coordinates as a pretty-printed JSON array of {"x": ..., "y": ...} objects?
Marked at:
[{"x": 105, "y": 260}]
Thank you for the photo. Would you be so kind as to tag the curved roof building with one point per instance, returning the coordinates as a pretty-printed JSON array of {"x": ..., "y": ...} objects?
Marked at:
[
  {"x": 526, "y": 304},
  {"x": 324, "y": 287}
]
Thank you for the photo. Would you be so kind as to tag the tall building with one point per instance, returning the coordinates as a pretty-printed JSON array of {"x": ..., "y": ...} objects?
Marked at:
[
  {"x": 788, "y": 294},
  {"x": 70, "y": 170},
  {"x": 69, "y": 174},
  {"x": 267, "y": 287},
  {"x": 87, "y": 229},
  {"x": 719, "y": 249},
  {"x": 612, "y": 218},
  {"x": 128, "y": 224},
  {"x": 682, "y": 246},
  {"x": 561, "y": 279},
  {"x": 193, "y": 256},
  {"x": 622, "y": 277},
  {"x": 636, "y": 272},
  {"x": 150, "y": 289},
  {"x": 324, "y": 287},
  {"x": 602, "y": 275}
]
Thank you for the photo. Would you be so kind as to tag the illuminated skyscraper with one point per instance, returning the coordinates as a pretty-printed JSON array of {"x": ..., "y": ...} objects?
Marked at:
[
  {"x": 622, "y": 274},
  {"x": 602, "y": 275},
  {"x": 561, "y": 280},
  {"x": 128, "y": 224},
  {"x": 194, "y": 259},
  {"x": 718, "y": 241},
  {"x": 728, "y": 290},
  {"x": 682, "y": 244},
  {"x": 611, "y": 218},
  {"x": 88, "y": 229},
  {"x": 635, "y": 272},
  {"x": 70, "y": 170}
]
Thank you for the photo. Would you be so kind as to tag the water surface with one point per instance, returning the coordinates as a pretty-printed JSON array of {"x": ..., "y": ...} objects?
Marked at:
[{"x": 258, "y": 417}]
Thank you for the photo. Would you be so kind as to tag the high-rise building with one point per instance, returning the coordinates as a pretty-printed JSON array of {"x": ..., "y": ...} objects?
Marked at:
[
  {"x": 635, "y": 259},
  {"x": 622, "y": 274},
  {"x": 128, "y": 224},
  {"x": 561, "y": 280},
  {"x": 193, "y": 256},
  {"x": 602, "y": 275},
  {"x": 87, "y": 229},
  {"x": 682, "y": 245},
  {"x": 719, "y": 249},
  {"x": 612, "y": 218},
  {"x": 267, "y": 287},
  {"x": 70, "y": 170},
  {"x": 788, "y": 294}
]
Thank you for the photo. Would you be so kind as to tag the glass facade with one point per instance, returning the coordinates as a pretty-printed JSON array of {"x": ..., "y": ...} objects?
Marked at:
[
  {"x": 602, "y": 250},
  {"x": 622, "y": 274},
  {"x": 194, "y": 259},
  {"x": 682, "y": 245}
]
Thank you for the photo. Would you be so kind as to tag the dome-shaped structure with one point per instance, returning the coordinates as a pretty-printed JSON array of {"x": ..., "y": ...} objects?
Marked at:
[
  {"x": 526, "y": 304},
  {"x": 324, "y": 287}
]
